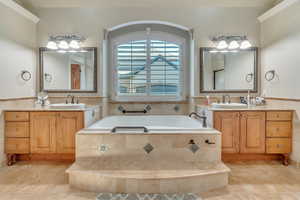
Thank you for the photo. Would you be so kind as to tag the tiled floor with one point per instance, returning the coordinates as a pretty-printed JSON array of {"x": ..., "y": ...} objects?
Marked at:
[{"x": 45, "y": 181}]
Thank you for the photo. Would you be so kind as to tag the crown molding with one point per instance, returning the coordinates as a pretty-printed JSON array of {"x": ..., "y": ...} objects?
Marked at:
[
  {"x": 19, "y": 9},
  {"x": 276, "y": 9}
]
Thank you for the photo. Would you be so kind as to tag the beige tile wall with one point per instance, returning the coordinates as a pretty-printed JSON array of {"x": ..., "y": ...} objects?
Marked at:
[{"x": 175, "y": 147}]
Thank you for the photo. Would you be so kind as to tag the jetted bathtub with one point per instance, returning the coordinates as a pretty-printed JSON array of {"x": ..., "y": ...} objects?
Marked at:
[
  {"x": 148, "y": 154},
  {"x": 149, "y": 124}
]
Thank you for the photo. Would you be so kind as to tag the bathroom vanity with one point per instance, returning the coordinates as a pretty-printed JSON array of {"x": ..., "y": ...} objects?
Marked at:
[
  {"x": 44, "y": 133},
  {"x": 254, "y": 133}
]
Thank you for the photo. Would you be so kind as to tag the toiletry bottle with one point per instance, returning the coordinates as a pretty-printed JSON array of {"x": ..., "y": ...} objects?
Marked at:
[{"x": 248, "y": 99}]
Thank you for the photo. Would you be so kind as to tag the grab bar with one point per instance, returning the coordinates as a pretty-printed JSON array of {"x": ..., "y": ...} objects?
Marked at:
[
  {"x": 144, "y": 111},
  {"x": 129, "y": 127},
  {"x": 134, "y": 111},
  {"x": 204, "y": 118}
]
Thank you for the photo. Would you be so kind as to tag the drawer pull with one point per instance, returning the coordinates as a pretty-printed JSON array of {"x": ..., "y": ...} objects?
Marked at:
[{"x": 277, "y": 129}]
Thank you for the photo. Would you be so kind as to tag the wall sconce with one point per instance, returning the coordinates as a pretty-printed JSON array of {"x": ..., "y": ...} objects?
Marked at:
[
  {"x": 62, "y": 43},
  {"x": 231, "y": 42}
]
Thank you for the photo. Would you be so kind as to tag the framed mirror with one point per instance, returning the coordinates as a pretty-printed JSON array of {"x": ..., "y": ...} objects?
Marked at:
[
  {"x": 228, "y": 71},
  {"x": 68, "y": 71}
]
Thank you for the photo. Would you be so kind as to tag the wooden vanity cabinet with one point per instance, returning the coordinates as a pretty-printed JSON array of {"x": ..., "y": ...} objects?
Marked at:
[
  {"x": 228, "y": 123},
  {"x": 68, "y": 124},
  {"x": 42, "y": 135},
  {"x": 252, "y": 135},
  {"x": 252, "y": 132},
  {"x": 16, "y": 135}
]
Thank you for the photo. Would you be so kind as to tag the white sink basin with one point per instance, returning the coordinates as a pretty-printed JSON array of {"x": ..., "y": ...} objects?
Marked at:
[
  {"x": 229, "y": 105},
  {"x": 67, "y": 106}
]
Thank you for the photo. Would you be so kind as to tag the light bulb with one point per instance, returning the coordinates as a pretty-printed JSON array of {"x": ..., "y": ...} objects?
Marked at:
[
  {"x": 52, "y": 45},
  {"x": 62, "y": 51},
  {"x": 245, "y": 44},
  {"x": 63, "y": 45},
  {"x": 74, "y": 44},
  {"x": 73, "y": 51},
  {"x": 233, "y": 45},
  {"x": 222, "y": 45}
]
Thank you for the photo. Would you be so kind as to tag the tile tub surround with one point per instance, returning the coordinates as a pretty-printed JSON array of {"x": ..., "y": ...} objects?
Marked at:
[{"x": 120, "y": 162}]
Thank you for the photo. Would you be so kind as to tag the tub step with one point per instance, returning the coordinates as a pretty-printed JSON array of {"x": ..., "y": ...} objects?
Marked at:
[{"x": 91, "y": 175}]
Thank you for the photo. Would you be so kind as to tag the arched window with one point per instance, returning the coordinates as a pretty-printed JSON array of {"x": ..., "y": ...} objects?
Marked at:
[{"x": 148, "y": 64}]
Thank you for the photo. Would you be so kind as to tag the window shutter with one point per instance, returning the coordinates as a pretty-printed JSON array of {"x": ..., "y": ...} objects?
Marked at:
[{"x": 149, "y": 68}]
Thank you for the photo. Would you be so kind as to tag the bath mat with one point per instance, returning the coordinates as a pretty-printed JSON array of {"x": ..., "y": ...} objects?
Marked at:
[{"x": 124, "y": 196}]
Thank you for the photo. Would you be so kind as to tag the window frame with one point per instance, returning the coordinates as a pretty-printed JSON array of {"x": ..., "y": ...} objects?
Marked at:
[{"x": 143, "y": 35}]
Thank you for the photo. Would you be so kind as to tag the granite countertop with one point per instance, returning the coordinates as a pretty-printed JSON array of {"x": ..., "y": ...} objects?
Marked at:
[
  {"x": 45, "y": 108},
  {"x": 251, "y": 108}
]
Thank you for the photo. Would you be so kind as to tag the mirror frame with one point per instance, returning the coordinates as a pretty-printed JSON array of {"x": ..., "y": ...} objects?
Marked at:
[
  {"x": 41, "y": 68},
  {"x": 254, "y": 90}
]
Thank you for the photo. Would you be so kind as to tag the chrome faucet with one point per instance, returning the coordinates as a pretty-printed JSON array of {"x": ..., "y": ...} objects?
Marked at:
[
  {"x": 72, "y": 99},
  {"x": 224, "y": 98},
  {"x": 204, "y": 118}
]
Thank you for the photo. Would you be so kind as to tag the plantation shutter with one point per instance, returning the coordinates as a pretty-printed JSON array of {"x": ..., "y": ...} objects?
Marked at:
[{"x": 149, "y": 68}]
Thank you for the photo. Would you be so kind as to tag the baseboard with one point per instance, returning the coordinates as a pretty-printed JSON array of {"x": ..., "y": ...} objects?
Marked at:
[
  {"x": 47, "y": 157},
  {"x": 250, "y": 157}
]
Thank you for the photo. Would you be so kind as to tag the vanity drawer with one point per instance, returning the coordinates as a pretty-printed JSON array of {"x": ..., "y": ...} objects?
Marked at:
[
  {"x": 279, "y": 116},
  {"x": 16, "y": 116},
  {"x": 278, "y": 145},
  {"x": 17, "y": 145},
  {"x": 17, "y": 129},
  {"x": 279, "y": 129}
]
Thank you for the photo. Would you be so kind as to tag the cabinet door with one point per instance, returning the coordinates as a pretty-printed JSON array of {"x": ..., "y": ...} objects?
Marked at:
[
  {"x": 228, "y": 123},
  {"x": 68, "y": 124},
  {"x": 253, "y": 132},
  {"x": 43, "y": 132}
]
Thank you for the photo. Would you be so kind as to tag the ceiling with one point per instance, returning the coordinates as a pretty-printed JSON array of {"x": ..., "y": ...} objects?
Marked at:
[{"x": 145, "y": 3}]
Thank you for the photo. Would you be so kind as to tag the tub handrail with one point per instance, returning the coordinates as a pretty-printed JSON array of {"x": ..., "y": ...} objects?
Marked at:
[
  {"x": 129, "y": 127},
  {"x": 204, "y": 118}
]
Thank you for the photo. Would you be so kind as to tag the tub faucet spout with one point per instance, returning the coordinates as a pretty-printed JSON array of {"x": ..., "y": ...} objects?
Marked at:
[{"x": 204, "y": 118}]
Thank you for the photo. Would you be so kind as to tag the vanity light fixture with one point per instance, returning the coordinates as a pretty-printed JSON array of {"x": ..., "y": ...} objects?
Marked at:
[
  {"x": 63, "y": 45},
  {"x": 233, "y": 45},
  {"x": 231, "y": 42},
  {"x": 52, "y": 45},
  {"x": 245, "y": 44},
  {"x": 65, "y": 42},
  {"x": 222, "y": 45},
  {"x": 74, "y": 44}
]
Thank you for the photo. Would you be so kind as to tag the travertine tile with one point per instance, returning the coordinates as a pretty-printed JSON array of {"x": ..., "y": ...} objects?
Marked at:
[{"x": 24, "y": 181}]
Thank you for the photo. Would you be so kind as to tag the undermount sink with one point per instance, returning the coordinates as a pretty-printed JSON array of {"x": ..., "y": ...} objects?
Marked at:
[
  {"x": 229, "y": 105},
  {"x": 67, "y": 106}
]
